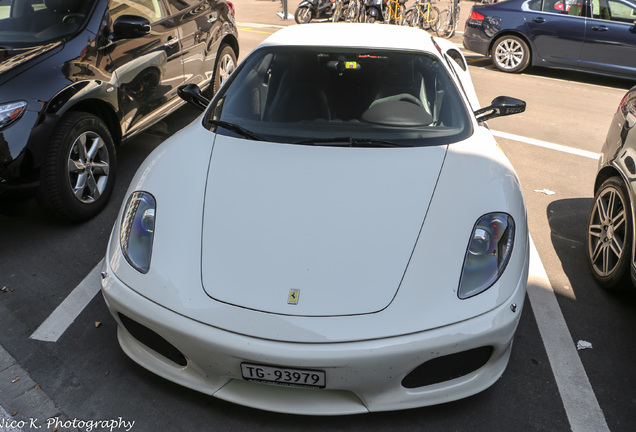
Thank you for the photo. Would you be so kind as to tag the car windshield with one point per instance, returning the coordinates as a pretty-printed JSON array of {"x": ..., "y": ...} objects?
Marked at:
[
  {"x": 26, "y": 23},
  {"x": 340, "y": 96}
]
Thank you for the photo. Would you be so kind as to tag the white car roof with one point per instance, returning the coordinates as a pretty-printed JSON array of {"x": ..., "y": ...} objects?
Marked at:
[{"x": 353, "y": 35}]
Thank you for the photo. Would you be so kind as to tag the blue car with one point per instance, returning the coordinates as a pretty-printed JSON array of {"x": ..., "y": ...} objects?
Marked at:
[{"x": 595, "y": 36}]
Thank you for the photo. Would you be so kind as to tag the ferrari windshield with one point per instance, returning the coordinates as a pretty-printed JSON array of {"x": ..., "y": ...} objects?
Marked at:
[
  {"x": 26, "y": 23},
  {"x": 346, "y": 95}
]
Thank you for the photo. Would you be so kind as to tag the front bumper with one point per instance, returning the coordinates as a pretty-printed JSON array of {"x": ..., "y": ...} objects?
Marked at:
[{"x": 360, "y": 376}]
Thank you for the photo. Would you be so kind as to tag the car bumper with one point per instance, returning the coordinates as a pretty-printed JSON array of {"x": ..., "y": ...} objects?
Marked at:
[
  {"x": 373, "y": 375},
  {"x": 476, "y": 40}
]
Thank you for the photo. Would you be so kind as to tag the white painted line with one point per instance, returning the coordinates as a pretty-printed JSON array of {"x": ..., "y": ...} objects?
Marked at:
[
  {"x": 546, "y": 144},
  {"x": 64, "y": 315},
  {"x": 579, "y": 400}
]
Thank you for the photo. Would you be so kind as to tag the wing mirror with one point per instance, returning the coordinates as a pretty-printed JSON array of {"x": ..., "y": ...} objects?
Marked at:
[
  {"x": 130, "y": 27},
  {"x": 191, "y": 93},
  {"x": 499, "y": 107}
]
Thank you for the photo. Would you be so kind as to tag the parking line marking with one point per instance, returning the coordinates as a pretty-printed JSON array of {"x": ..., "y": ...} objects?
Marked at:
[
  {"x": 581, "y": 406},
  {"x": 66, "y": 313},
  {"x": 545, "y": 144}
]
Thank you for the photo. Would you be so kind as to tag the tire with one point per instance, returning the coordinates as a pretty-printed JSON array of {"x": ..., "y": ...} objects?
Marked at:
[
  {"x": 399, "y": 20},
  {"x": 433, "y": 20},
  {"x": 609, "y": 235},
  {"x": 225, "y": 65},
  {"x": 411, "y": 18},
  {"x": 351, "y": 11},
  {"x": 303, "y": 15},
  {"x": 78, "y": 173},
  {"x": 445, "y": 27},
  {"x": 510, "y": 54},
  {"x": 337, "y": 13}
]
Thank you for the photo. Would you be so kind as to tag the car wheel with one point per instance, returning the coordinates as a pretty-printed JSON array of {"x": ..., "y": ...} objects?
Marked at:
[
  {"x": 303, "y": 15},
  {"x": 510, "y": 54},
  {"x": 225, "y": 65},
  {"x": 78, "y": 172},
  {"x": 609, "y": 235}
]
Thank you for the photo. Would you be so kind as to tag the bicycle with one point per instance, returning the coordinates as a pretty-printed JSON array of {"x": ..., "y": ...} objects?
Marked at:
[
  {"x": 422, "y": 14},
  {"x": 338, "y": 10},
  {"x": 448, "y": 19},
  {"x": 353, "y": 10},
  {"x": 394, "y": 12}
]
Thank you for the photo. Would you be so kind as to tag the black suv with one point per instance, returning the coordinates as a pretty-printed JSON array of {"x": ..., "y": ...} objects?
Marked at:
[{"x": 79, "y": 77}]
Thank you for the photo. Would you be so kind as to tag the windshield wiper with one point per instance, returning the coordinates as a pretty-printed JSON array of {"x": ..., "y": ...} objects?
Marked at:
[
  {"x": 237, "y": 129},
  {"x": 352, "y": 142}
]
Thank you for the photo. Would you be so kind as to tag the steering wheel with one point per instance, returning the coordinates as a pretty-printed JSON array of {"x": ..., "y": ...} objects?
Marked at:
[
  {"x": 70, "y": 17},
  {"x": 406, "y": 97}
]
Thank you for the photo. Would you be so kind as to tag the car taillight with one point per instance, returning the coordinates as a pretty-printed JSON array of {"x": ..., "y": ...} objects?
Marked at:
[
  {"x": 231, "y": 6},
  {"x": 476, "y": 16}
]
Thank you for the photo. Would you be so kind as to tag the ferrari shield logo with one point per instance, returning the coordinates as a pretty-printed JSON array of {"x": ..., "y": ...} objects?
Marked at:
[{"x": 294, "y": 294}]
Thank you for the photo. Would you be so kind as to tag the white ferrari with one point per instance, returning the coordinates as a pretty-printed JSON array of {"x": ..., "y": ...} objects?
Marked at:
[{"x": 337, "y": 233}]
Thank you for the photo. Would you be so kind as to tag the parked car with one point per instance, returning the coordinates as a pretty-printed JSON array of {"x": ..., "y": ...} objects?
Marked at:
[
  {"x": 596, "y": 36},
  {"x": 78, "y": 78},
  {"x": 610, "y": 233},
  {"x": 347, "y": 236}
]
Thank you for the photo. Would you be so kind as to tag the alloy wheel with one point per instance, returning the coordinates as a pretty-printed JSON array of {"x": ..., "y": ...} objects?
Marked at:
[
  {"x": 607, "y": 232},
  {"x": 88, "y": 167}
]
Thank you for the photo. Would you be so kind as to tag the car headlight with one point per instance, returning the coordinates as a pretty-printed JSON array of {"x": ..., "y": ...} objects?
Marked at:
[
  {"x": 138, "y": 229},
  {"x": 488, "y": 253},
  {"x": 10, "y": 112}
]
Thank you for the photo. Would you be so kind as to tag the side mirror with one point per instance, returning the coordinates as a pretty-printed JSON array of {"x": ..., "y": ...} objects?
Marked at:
[
  {"x": 191, "y": 93},
  {"x": 130, "y": 27},
  {"x": 499, "y": 107}
]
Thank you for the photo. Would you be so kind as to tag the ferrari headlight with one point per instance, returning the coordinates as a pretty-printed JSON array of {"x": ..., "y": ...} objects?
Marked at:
[
  {"x": 488, "y": 253},
  {"x": 138, "y": 229},
  {"x": 10, "y": 112}
]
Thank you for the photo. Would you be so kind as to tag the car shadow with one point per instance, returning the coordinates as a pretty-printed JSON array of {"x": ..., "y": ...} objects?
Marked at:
[
  {"x": 567, "y": 219},
  {"x": 478, "y": 60}
]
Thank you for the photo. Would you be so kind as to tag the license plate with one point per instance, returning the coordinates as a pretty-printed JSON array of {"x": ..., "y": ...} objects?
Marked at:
[{"x": 283, "y": 376}]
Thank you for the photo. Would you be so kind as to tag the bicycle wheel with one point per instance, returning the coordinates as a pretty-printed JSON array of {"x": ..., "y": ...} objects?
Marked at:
[
  {"x": 351, "y": 11},
  {"x": 337, "y": 13},
  {"x": 387, "y": 13},
  {"x": 411, "y": 18},
  {"x": 430, "y": 19},
  {"x": 446, "y": 26},
  {"x": 401, "y": 13}
]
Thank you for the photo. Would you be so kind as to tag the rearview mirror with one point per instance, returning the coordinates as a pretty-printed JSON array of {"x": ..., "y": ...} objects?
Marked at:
[
  {"x": 499, "y": 107},
  {"x": 130, "y": 27},
  {"x": 191, "y": 93}
]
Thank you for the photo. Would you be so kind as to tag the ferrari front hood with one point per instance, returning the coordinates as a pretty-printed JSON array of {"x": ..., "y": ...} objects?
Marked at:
[{"x": 312, "y": 230}]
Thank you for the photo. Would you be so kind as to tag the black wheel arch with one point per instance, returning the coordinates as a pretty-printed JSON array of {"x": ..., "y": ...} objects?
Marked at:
[
  {"x": 232, "y": 41},
  {"x": 32, "y": 158}
]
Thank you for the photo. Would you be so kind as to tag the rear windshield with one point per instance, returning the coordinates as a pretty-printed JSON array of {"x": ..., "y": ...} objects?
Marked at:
[
  {"x": 296, "y": 94},
  {"x": 25, "y": 23}
]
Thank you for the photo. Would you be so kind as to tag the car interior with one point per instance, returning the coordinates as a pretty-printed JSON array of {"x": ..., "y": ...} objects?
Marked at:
[
  {"x": 314, "y": 87},
  {"x": 42, "y": 20}
]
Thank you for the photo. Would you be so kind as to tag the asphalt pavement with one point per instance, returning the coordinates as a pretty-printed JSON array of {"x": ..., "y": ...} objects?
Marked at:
[
  {"x": 264, "y": 12},
  {"x": 31, "y": 407}
]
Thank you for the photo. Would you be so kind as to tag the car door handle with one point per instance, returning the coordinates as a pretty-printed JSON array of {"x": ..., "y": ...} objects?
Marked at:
[
  {"x": 538, "y": 20},
  {"x": 600, "y": 28},
  {"x": 172, "y": 41}
]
